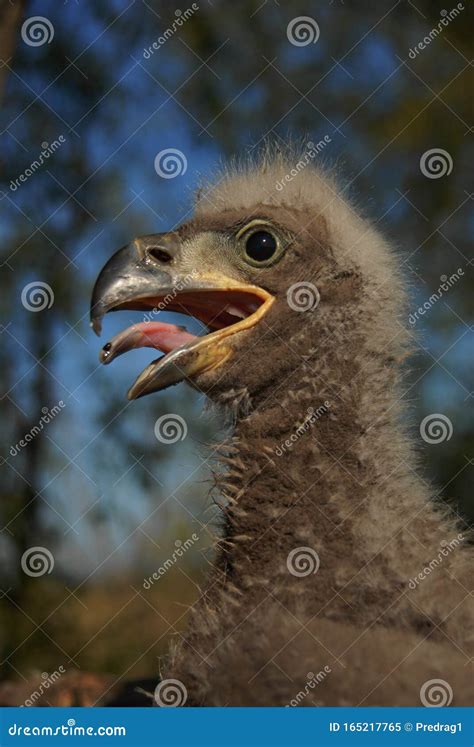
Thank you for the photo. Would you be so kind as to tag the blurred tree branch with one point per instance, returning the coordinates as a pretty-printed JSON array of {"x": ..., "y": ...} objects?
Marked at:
[{"x": 10, "y": 16}]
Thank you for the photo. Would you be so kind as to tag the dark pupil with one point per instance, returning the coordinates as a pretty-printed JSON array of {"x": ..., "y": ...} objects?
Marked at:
[{"x": 260, "y": 246}]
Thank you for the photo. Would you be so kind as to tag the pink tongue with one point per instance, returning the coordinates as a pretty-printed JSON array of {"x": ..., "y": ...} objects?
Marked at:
[{"x": 164, "y": 337}]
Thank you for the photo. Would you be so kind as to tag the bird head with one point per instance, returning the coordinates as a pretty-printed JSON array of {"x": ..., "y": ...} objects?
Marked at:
[{"x": 268, "y": 270}]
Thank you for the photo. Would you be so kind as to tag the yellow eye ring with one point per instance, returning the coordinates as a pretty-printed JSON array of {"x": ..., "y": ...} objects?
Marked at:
[{"x": 261, "y": 244}]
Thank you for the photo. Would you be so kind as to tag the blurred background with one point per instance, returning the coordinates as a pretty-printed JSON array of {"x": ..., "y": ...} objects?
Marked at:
[{"x": 91, "y": 94}]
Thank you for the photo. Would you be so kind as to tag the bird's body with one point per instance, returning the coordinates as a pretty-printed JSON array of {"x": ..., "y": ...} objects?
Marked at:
[{"x": 328, "y": 526}]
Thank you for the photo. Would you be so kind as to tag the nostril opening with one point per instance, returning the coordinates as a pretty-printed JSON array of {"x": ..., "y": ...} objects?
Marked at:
[{"x": 159, "y": 254}]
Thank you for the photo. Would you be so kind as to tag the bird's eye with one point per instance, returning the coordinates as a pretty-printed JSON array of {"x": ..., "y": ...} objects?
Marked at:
[{"x": 261, "y": 246}]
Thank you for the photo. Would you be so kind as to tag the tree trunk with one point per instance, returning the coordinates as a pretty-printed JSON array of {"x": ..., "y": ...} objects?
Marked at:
[{"x": 10, "y": 16}]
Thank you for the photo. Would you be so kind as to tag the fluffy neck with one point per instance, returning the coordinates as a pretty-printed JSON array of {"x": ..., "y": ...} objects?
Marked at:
[{"x": 321, "y": 462}]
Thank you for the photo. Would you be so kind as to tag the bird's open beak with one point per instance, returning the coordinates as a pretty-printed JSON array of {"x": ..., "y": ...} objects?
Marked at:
[{"x": 148, "y": 274}]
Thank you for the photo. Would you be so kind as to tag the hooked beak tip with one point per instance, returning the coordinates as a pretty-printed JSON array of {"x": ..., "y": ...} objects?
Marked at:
[{"x": 96, "y": 326}]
